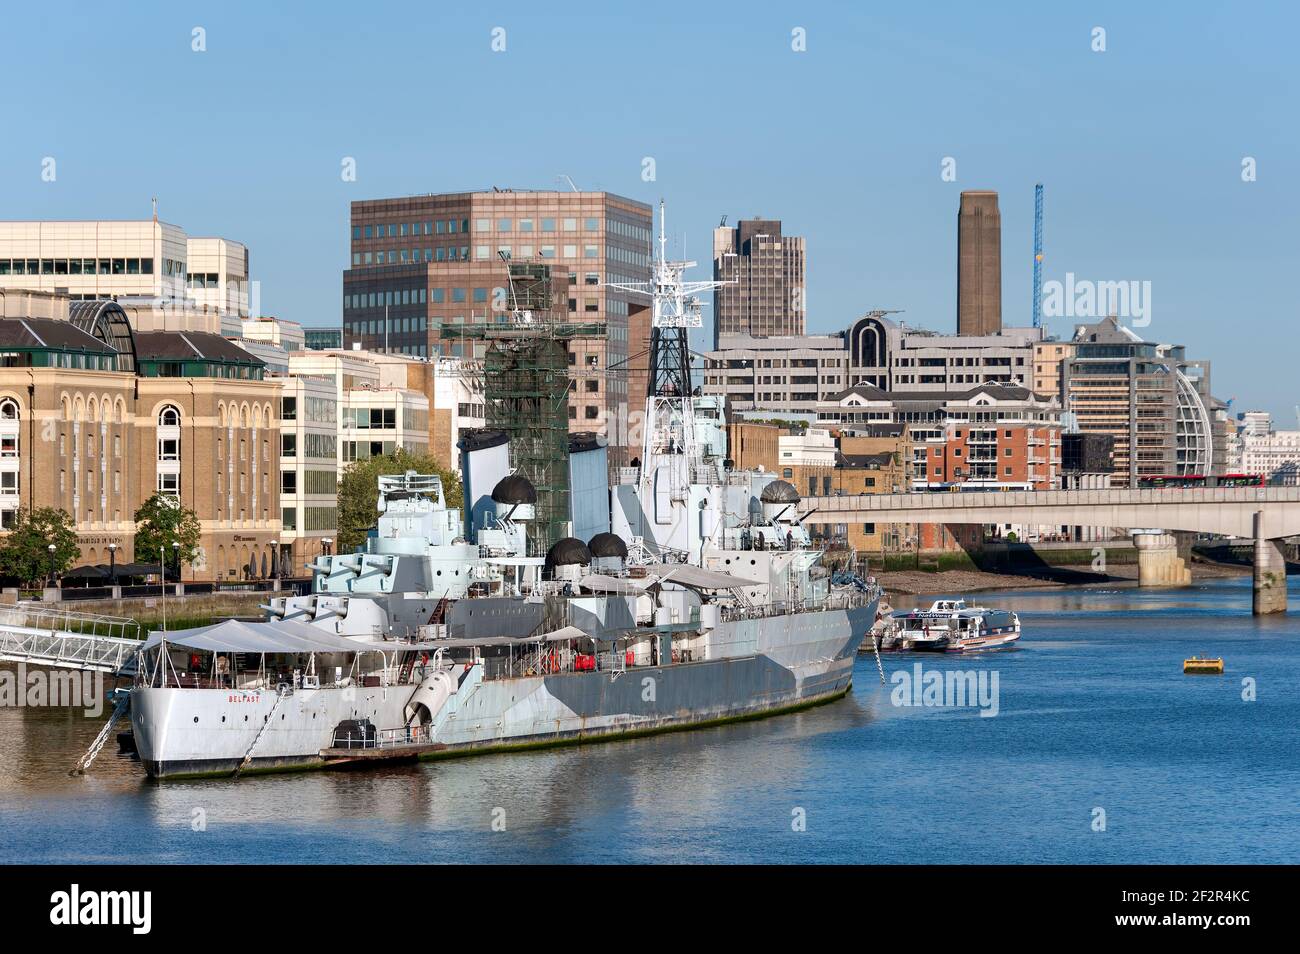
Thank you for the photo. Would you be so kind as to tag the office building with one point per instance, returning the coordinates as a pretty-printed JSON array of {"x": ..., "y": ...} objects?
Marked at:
[
  {"x": 792, "y": 375},
  {"x": 1270, "y": 453},
  {"x": 423, "y": 267},
  {"x": 216, "y": 276},
  {"x": 322, "y": 339},
  {"x": 285, "y": 335},
  {"x": 1149, "y": 397},
  {"x": 1049, "y": 357},
  {"x": 766, "y": 276},
  {"x": 122, "y": 260}
]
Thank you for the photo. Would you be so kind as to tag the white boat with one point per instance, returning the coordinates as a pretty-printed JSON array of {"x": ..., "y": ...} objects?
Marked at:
[{"x": 952, "y": 626}]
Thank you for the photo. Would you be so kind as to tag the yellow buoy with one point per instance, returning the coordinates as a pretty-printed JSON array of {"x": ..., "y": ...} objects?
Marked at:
[{"x": 1199, "y": 665}]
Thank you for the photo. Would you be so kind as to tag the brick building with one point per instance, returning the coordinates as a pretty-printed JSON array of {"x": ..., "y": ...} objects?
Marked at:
[{"x": 97, "y": 417}]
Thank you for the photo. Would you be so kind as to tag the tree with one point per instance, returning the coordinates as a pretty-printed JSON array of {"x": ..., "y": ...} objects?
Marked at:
[
  {"x": 359, "y": 491},
  {"x": 25, "y": 554},
  {"x": 162, "y": 521}
]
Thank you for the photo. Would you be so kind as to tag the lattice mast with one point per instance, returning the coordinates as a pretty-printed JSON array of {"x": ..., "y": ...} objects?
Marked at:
[
  {"x": 526, "y": 391},
  {"x": 669, "y": 427}
]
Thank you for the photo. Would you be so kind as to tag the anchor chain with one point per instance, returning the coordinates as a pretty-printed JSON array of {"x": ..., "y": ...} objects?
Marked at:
[
  {"x": 84, "y": 762},
  {"x": 248, "y": 756}
]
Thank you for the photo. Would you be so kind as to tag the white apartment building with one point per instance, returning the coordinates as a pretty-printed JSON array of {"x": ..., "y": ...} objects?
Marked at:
[
  {"x": 376, "y": 412},
  {"x": 309, "y": 472}
]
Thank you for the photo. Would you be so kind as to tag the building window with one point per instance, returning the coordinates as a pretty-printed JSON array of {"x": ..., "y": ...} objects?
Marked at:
[
  {"x": 10, "y": 433},
  {"x": 168, "y": 457}
]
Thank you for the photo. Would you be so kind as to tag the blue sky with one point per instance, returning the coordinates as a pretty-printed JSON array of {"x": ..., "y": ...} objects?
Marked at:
[{"x": 1140, "y": 147}]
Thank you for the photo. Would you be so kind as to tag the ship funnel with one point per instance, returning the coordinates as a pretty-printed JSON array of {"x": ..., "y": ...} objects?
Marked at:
[{"x": 485, "y": 461}]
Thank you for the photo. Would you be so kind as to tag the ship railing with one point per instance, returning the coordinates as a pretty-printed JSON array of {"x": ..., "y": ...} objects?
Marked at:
[
  {"x": 550, "y": 660},
  {"x": 385, "y": 738},
  {"x": 831, "y": 601}
]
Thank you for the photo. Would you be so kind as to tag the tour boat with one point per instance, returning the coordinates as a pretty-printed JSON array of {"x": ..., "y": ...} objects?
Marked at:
[{"x": 951, "y": 626}]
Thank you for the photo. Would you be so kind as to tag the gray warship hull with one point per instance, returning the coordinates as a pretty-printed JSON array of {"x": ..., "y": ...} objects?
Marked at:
[{"x": 798, "y": 660}]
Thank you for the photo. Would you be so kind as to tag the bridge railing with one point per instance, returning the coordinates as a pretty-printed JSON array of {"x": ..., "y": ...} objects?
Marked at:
[
  {"x": 52, "y": 618},
  {"x": 69, "y": 651}
]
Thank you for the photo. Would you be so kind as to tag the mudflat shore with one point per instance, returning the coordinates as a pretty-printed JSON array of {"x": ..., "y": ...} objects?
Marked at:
[{"x": 960, "y": 582}]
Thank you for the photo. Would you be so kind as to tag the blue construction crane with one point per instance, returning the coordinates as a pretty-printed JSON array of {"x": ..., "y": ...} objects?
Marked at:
[{"x": 1038, "y": 255}]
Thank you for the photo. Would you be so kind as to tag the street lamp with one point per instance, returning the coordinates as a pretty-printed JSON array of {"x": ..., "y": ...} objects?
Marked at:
[
  {"x": 162, "y": 573},
  {"x": 112, "y": 563},
  {"x": 51, "y": 549}
]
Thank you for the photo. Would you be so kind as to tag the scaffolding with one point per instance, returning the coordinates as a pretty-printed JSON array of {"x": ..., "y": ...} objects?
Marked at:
[{"x": 526, "y": 390}]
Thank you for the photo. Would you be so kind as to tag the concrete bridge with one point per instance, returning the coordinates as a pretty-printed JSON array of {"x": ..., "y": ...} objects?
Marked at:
[{"x": 1266, "y": 515}]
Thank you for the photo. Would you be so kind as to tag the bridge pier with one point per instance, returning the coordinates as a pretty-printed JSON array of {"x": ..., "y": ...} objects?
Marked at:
[
  {"x": 1269, "y": 590},
  {"x": 1158, "y": 561}
]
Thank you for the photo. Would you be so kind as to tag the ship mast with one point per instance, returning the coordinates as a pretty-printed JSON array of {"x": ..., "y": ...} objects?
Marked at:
[{"x": 669, "y": 427}]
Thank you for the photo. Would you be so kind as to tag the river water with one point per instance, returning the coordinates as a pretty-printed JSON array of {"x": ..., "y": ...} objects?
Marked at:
[{"x": 1101, "y": 751}]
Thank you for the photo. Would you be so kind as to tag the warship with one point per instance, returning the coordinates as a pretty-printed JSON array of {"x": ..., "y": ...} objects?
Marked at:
[{"x": 450, "y": 633}]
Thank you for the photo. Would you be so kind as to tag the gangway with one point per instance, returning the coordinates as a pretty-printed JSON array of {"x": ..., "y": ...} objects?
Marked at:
[{"x": 64, "y": 639}]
